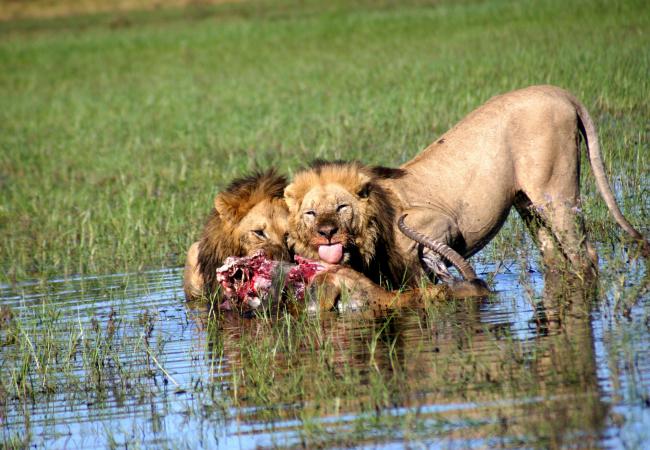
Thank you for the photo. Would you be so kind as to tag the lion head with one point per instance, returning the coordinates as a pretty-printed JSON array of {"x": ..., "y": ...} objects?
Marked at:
[
  {"x": 339, "y": 212},
  {"x": 249, "y": 215}
]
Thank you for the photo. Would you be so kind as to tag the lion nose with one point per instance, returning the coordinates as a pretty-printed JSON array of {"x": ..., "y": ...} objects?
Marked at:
[{"x": 328, "y": 231}]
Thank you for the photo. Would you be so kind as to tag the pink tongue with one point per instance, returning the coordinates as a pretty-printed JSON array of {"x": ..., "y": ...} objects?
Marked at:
[{"x": 332, "y": 254}]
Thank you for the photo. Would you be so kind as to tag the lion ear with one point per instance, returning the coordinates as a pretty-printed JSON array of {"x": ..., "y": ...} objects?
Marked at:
[
  {"x": 226, "y": 209},
  {"x": 364, "y": 185},
  {"x": 291, "y": 197}
]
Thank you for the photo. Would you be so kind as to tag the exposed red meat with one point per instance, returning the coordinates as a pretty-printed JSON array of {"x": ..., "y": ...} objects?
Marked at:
[{"x": 250, "y": 281}]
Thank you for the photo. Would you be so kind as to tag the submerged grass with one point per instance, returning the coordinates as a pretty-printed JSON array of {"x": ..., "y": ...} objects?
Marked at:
[
  {"x": 452, "y": 371},
  {"x": 316, "y": 371},
  {"x": 115, "y": 140}
]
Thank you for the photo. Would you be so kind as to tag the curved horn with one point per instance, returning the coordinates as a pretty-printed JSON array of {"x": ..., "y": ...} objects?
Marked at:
[{"x": 443, "y": 250}]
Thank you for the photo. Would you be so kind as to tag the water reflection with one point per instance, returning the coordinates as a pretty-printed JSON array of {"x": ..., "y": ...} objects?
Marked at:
[
  {"x": 456, "y": 364},
  {"x": 537, "y": 365}
]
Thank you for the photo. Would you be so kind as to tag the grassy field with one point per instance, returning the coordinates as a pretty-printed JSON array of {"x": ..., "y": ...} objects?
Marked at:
[{"x": 116, "y": 134}]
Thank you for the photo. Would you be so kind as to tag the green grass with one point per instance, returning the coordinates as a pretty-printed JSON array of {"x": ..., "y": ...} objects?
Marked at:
[
  {"x": 116, "y": 134},
  {"x": 113, "y": 141}
]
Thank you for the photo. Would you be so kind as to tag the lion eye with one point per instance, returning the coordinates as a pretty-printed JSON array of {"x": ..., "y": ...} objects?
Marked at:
[
  {"x": 342, "y": 207},
  {"x": 260, "y": 233},
  {"x": 310, "y": 213}
]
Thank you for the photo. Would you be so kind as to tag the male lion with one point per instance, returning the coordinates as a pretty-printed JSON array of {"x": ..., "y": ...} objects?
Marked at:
[
  {"x": 520, "y": 149},
  {"x": 249, "y": 215}
]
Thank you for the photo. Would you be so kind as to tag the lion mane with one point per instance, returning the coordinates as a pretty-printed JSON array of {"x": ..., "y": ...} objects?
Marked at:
[
  {"x": 222, "y": 235},
  {"x": 371, "y": 245}
]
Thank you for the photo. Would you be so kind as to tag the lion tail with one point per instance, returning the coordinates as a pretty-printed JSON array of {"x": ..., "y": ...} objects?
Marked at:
[{"x": 588, "y": 131}]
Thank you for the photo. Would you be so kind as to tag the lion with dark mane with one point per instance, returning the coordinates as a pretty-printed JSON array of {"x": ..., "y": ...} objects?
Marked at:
[
  {"x": 520, "y": 149},
  {"x": 341, "y": 214},
  {"x": 249, "y": 215}
]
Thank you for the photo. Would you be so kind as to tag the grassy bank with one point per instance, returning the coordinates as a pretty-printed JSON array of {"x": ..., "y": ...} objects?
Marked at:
[{"x": 115, "y": 137}]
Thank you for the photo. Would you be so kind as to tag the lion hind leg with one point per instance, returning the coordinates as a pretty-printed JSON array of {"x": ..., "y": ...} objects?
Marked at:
[
  {"x": 540, "y": 232},
  {"x": 569, "y": 231},
  {"x": 559, "y": 233}
]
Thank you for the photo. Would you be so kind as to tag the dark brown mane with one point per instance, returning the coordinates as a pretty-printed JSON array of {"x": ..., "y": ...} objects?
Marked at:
[
  {"x": 220, "y": 238},
  {"x": 244, "y": 193},
  {"x": 384, "y": 264},
  {"x": 387, "y": 173},
  {"x": 270, "y": 182}
]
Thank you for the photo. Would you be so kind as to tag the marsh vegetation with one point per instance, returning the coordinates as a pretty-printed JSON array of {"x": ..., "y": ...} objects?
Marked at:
[{"x": 116, "y": 134}]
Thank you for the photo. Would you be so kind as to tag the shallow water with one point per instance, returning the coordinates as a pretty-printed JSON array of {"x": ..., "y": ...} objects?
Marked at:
[{"x": 122, "y": 360}]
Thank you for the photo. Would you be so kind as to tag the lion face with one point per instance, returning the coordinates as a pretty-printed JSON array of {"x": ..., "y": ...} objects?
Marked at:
[
  {"x": 326, "y": 222},
  {"x": 249, "y": 215},
  {"x": 265, "y": 228},
  {"x": 338, "y": 212}
]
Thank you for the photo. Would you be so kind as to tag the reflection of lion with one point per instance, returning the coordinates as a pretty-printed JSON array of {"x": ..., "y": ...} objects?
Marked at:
[
  {"x": 248, "y": 216},
  {"x": 520, "y": 149}
]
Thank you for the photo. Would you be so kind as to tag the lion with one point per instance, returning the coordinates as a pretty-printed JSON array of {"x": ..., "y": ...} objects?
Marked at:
[
  {"x": 520, "y": 149},
  {"x": 249, "y": 215}
]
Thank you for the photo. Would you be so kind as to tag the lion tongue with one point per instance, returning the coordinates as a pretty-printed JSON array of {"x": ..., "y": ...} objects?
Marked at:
[{"x": 332, "y": 254}]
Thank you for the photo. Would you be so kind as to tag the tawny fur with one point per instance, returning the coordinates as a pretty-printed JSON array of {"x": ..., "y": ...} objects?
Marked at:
[
  {"x": 520, "y": 149},
  {"x": 343, "y": 288},
  {"x": 248, "y": 204},
  {"x": 368, "y": 236}
]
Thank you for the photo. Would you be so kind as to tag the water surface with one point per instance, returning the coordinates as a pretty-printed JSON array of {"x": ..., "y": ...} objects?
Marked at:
[{"x": 123, "y": 360}]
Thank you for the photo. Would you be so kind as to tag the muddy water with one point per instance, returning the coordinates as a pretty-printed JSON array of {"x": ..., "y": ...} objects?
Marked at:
[{"x": 123, "y": 361}]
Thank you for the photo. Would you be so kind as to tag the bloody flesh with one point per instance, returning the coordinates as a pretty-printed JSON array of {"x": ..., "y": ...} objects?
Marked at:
[{"x": 250, "y": 281}]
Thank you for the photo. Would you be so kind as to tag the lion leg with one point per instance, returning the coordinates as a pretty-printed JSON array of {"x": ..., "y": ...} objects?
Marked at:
[
  {"x": 569, "y": 231},
  {"x": 552, "y": 185},
  {"x": 454, "y": 290},
  {"x": 343, "y": 288},
  {"x": 541, "y": 234},
  {"x": 192, "y": 278},
  {"x": 324, "y": 293},
  {"x": 560, "y": 235}
]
